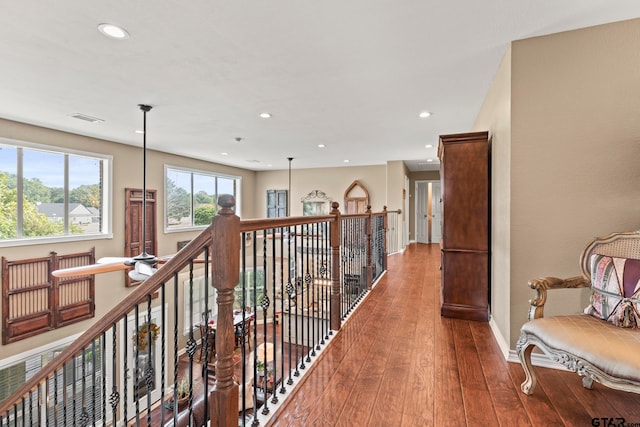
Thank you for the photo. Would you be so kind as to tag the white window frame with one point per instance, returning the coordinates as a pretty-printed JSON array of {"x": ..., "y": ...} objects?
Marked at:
[
  {"x": 60, "y": 345},
  {"x": 167, "y": 168},
  {"x": 190, "y": 321},
  {"x": 107, "y": 185}
]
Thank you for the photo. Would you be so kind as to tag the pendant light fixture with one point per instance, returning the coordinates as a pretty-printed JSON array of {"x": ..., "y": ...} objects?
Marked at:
[{"x": 144, "y": 256}]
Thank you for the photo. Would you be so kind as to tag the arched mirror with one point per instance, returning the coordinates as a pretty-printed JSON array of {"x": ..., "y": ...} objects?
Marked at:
[{"x": 316, "y": 203}]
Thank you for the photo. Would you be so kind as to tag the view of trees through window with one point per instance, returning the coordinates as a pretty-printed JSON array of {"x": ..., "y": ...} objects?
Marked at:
[
  {"x": 36, "y": 202},
  {"x": 191, "y": 199}
]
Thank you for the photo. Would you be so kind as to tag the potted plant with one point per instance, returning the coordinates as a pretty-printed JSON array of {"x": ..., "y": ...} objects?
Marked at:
[
  {"x": 262, "y": 375},
  {"x": 182, "y": 393}
]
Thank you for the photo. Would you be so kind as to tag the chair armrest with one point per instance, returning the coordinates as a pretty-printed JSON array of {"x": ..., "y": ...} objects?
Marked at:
[{"x": 543, "y": 284}]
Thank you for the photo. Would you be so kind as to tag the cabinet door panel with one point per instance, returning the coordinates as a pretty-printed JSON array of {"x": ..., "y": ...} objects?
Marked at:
[
  {"x": 466, "y": 197},
  {"x": 465, "y": 292}
]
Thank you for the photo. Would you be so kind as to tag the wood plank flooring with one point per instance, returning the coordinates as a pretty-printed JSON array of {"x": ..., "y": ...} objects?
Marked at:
[{"x": 396, "y": 362}]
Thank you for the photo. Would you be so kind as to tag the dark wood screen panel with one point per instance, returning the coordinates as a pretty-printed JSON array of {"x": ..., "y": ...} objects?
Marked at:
[{"x": 33, "y": 301}]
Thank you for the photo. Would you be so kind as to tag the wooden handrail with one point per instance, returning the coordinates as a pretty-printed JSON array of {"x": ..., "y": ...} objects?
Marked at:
[{"x": 267, "y": 223}]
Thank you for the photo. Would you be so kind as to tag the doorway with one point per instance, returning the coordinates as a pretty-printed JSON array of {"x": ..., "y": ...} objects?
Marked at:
[{"x": 428, "y": 210}]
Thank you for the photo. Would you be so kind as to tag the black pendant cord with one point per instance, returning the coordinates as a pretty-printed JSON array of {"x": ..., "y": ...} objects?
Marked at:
[
  {"x": 144, "y": 255},
  {"x": 289, "y": 195}
]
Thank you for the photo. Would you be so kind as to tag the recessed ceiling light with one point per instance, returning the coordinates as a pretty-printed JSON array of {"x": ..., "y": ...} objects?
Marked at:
[
  {"x": 428, "y": 146},
  {"x": 429, "y": 160},
  {"x": 321, "y": 145},
  {"x": 224, "y": 154},
  {"x": 265, "y": 115},
  {"x": 269, "y": 165},
  {"x": 139, "y": 131},
  {"x": 113, "y": 31},
  {"x": 346, "y": 161},
  {"x": 425, "y": 114}
]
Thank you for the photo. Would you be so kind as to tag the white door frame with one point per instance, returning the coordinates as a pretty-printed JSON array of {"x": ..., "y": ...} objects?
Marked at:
[
  {"x": 405, "y": 216},
  {"x": 429, "y": 208},
  {"x": 433, "y": 217},
  {"x": 420, "y": 215}
]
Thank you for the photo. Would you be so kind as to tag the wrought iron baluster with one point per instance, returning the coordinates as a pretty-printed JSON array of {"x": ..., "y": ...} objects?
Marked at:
[
  {"x": 114, "y": 398},
  {"x": 103, "y": 369},
  {"x": 149, "y": 374},
  {"x": 84, "y": 415},
  {"x": 290, "y": 289},
  {"x": 125, "y": 371},
  {"x": 274, "y": 271},
  {"x": 163, "y": 351},
  {"x": 243, "y": 351},
  {"x": 205, "y": 340},
  {"x": 283, "y": 389},
  {"x": 175, "y": 349},
  {"x": 254, "y": 307},
  {"x": 191, "y": 342},
  {"x": 136, "y": 364},
  {"x": 55, "y": 398},
  {"x": 297, "y": 316},
  {"x": 264, "y": 304}
]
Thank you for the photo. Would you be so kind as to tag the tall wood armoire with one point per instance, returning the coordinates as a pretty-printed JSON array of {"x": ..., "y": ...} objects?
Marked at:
[{"x": 465, "y": 175}]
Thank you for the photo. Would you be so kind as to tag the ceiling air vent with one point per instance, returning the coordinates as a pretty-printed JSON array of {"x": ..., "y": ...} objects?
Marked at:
[{"x": 86, "y": 118}]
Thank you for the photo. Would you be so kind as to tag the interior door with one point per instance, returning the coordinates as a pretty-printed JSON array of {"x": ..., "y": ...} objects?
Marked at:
[
  {"x": 133, "y": 225},
  {"x": 436, "y": 212},
  {"x": 422, "y": 211}
]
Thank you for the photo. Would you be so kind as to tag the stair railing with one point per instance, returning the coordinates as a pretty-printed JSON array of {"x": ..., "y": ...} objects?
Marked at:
[{"x": 307, "y": 265}]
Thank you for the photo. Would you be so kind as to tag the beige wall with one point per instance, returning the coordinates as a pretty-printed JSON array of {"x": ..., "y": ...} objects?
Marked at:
[
  {"x": 495, "y": 116},
  {"x": 574, "y": 146},
  {"x": 127, "y": 172},
  {"x": 397, "y": 172},
  {"x": 413, "y": 177},
  {"x": 333, "y": 181}
]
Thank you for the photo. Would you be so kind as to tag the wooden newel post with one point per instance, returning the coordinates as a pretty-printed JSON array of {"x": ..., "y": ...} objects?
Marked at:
[
  {"x": 225, "y": 272},
  {"x": 334, "y": 237},
  {"x": 368, "y": 230},
  {"x": 385, "y": 226}
]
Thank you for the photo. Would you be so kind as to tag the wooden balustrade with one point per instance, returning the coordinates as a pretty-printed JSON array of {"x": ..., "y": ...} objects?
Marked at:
[{"x": 299, "y": 308}]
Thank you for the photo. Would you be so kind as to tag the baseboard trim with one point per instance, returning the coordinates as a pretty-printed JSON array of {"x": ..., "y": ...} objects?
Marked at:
[{"x": 510, "y": 355}]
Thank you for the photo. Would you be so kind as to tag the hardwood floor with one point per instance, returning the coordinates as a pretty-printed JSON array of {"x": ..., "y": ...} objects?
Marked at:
[{"x": 396, "y": 362}]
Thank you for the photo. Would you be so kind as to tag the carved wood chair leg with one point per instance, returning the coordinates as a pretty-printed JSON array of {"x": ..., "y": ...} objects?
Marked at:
[
  {"x": 587, "y": 382},
  {"x": 524, "y": 354}
]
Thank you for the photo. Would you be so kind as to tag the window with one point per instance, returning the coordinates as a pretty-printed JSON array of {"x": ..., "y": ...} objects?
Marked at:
[
  {"x": 276, "y": 203},
  {"x": 200, "y": 303},
  {"x": 191, "y": 196},
  {"x": 67, "y": 384},
  {"x": 254, "y": 285},
  {"x": 47, "y": 193}
]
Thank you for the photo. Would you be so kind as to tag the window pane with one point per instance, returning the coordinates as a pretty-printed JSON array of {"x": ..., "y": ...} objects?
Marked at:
[
  {"x": 8, "y": 205},
  {"x": 37, "y": 177},
  {"x": 204, "y": 207},
  {"x": 85, "y": 195},
  {"x": 178, "y": 188},
  {"x": 43, "y": 187},
  {"x": 227, "y": 186}
]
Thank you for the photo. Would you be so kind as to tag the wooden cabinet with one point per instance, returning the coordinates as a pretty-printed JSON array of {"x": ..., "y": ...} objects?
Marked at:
[{"x": 465, "y": 174}]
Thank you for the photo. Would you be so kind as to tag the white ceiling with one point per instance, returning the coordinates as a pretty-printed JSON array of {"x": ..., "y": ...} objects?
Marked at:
[{"x": 351, "y": 74}]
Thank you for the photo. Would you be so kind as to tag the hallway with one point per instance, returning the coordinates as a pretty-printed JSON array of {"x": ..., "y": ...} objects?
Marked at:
[{"x": 396, "y": 362}]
